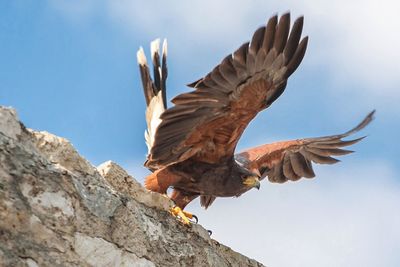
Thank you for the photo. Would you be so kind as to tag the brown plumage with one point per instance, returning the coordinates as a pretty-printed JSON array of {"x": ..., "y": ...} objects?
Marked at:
[{"x": 192, "y": 144}]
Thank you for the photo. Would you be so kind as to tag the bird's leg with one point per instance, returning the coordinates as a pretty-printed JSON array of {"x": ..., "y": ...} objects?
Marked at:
[
  {"x": 183, "y": 215},
  {"x": 181, "y": 199},
  {"x": 193, "y": 218}
]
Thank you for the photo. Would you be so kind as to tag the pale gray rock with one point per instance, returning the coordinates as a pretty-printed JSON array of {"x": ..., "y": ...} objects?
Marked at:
[
  {"x": 122, "y": 182},
  {"x": 56, "y": 209}
]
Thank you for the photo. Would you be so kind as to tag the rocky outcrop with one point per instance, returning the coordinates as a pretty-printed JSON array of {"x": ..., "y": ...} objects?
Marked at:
[{"x": 56, "y": 209}]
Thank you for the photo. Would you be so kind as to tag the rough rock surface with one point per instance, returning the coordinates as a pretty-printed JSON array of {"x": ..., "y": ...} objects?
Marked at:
[{"x": 56, "y": 209}]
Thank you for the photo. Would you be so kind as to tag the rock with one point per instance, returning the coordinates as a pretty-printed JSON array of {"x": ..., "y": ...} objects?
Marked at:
[
  {"x": 122, "y": 182},
  {"x": 56, "y": 209}
]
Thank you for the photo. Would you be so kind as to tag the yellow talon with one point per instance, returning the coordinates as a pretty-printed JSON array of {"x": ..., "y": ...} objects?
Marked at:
[
  {"x": 183, "y": 215},
  {"x": 188, "y": 214}
]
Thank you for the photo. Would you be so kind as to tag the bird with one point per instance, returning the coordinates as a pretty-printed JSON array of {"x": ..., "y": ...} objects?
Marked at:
[{"x": 191, "y": 145}]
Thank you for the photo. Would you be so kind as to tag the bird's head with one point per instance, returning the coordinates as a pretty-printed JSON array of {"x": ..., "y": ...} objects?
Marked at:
[{"x": 251, "y": 179}]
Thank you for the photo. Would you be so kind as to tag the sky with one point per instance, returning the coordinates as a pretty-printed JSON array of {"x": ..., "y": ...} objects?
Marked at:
[{"x": 69, "y": 67}]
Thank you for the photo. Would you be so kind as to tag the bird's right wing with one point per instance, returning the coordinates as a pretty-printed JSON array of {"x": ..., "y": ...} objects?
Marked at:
[
  {"x": 206, "y": 124},
  {"x": 292, "y": 160}
]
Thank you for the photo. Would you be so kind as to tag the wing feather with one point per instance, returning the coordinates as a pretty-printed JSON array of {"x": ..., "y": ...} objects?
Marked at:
[
  {"x": 294, "y": 39},
  {"x": 282, "y": 32},
  {"x": 288, "y": 170},
  {"x": 269, "y": 35},
  {"x": 294, "y": 62},
  {"x": 276, "y": 174},
  {"x": 154, "y": 91},
  {"x": 228, "y": 71},
  {"x": 295, "y": 157}
]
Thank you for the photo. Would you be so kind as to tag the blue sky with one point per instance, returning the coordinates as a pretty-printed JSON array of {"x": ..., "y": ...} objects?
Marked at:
[{"x": 69, "y": 67}]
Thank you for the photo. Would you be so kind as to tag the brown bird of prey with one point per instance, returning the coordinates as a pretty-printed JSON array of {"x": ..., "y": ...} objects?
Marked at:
[{"x": 192, "y": 144}]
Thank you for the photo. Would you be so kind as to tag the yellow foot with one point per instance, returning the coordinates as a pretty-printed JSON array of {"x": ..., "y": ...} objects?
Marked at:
[{"x": 183, "y": 215}]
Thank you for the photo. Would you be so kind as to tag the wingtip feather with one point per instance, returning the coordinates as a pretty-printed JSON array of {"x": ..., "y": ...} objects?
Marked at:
[
  {"x": 155, "y": 47},
  {"x": 165, "y": 48},
  {"x": 286, "y": 15},
  {"x": 141, "y": 57},
  {"x": 363, "y": 123}
]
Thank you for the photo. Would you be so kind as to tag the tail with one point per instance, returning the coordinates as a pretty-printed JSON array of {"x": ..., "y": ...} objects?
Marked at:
[{"x": 154, "y": 91}]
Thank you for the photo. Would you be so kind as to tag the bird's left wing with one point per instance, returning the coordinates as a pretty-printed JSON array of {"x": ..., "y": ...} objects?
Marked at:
[
  {"x": 154, "y": 91},
  {"x": 292, "y": 160},
  {"x": 206, "y": 124}
]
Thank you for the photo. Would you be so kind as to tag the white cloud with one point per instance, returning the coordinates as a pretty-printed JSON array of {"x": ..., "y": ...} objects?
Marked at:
[
  {"x": 357, "y": 41},
  {"x": 196, "y": 20},
  {"x": 345, "y": 217}
]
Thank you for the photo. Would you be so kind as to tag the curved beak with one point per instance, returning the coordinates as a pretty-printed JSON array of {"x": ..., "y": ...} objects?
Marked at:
[
  {"x": 257, "y": 184},
  {"x": 252, "y": 181}
]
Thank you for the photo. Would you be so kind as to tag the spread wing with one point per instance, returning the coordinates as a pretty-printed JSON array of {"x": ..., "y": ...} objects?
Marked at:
[
  {"x": 292, "y": 160},
  {"x": 206, "y": 124}
]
